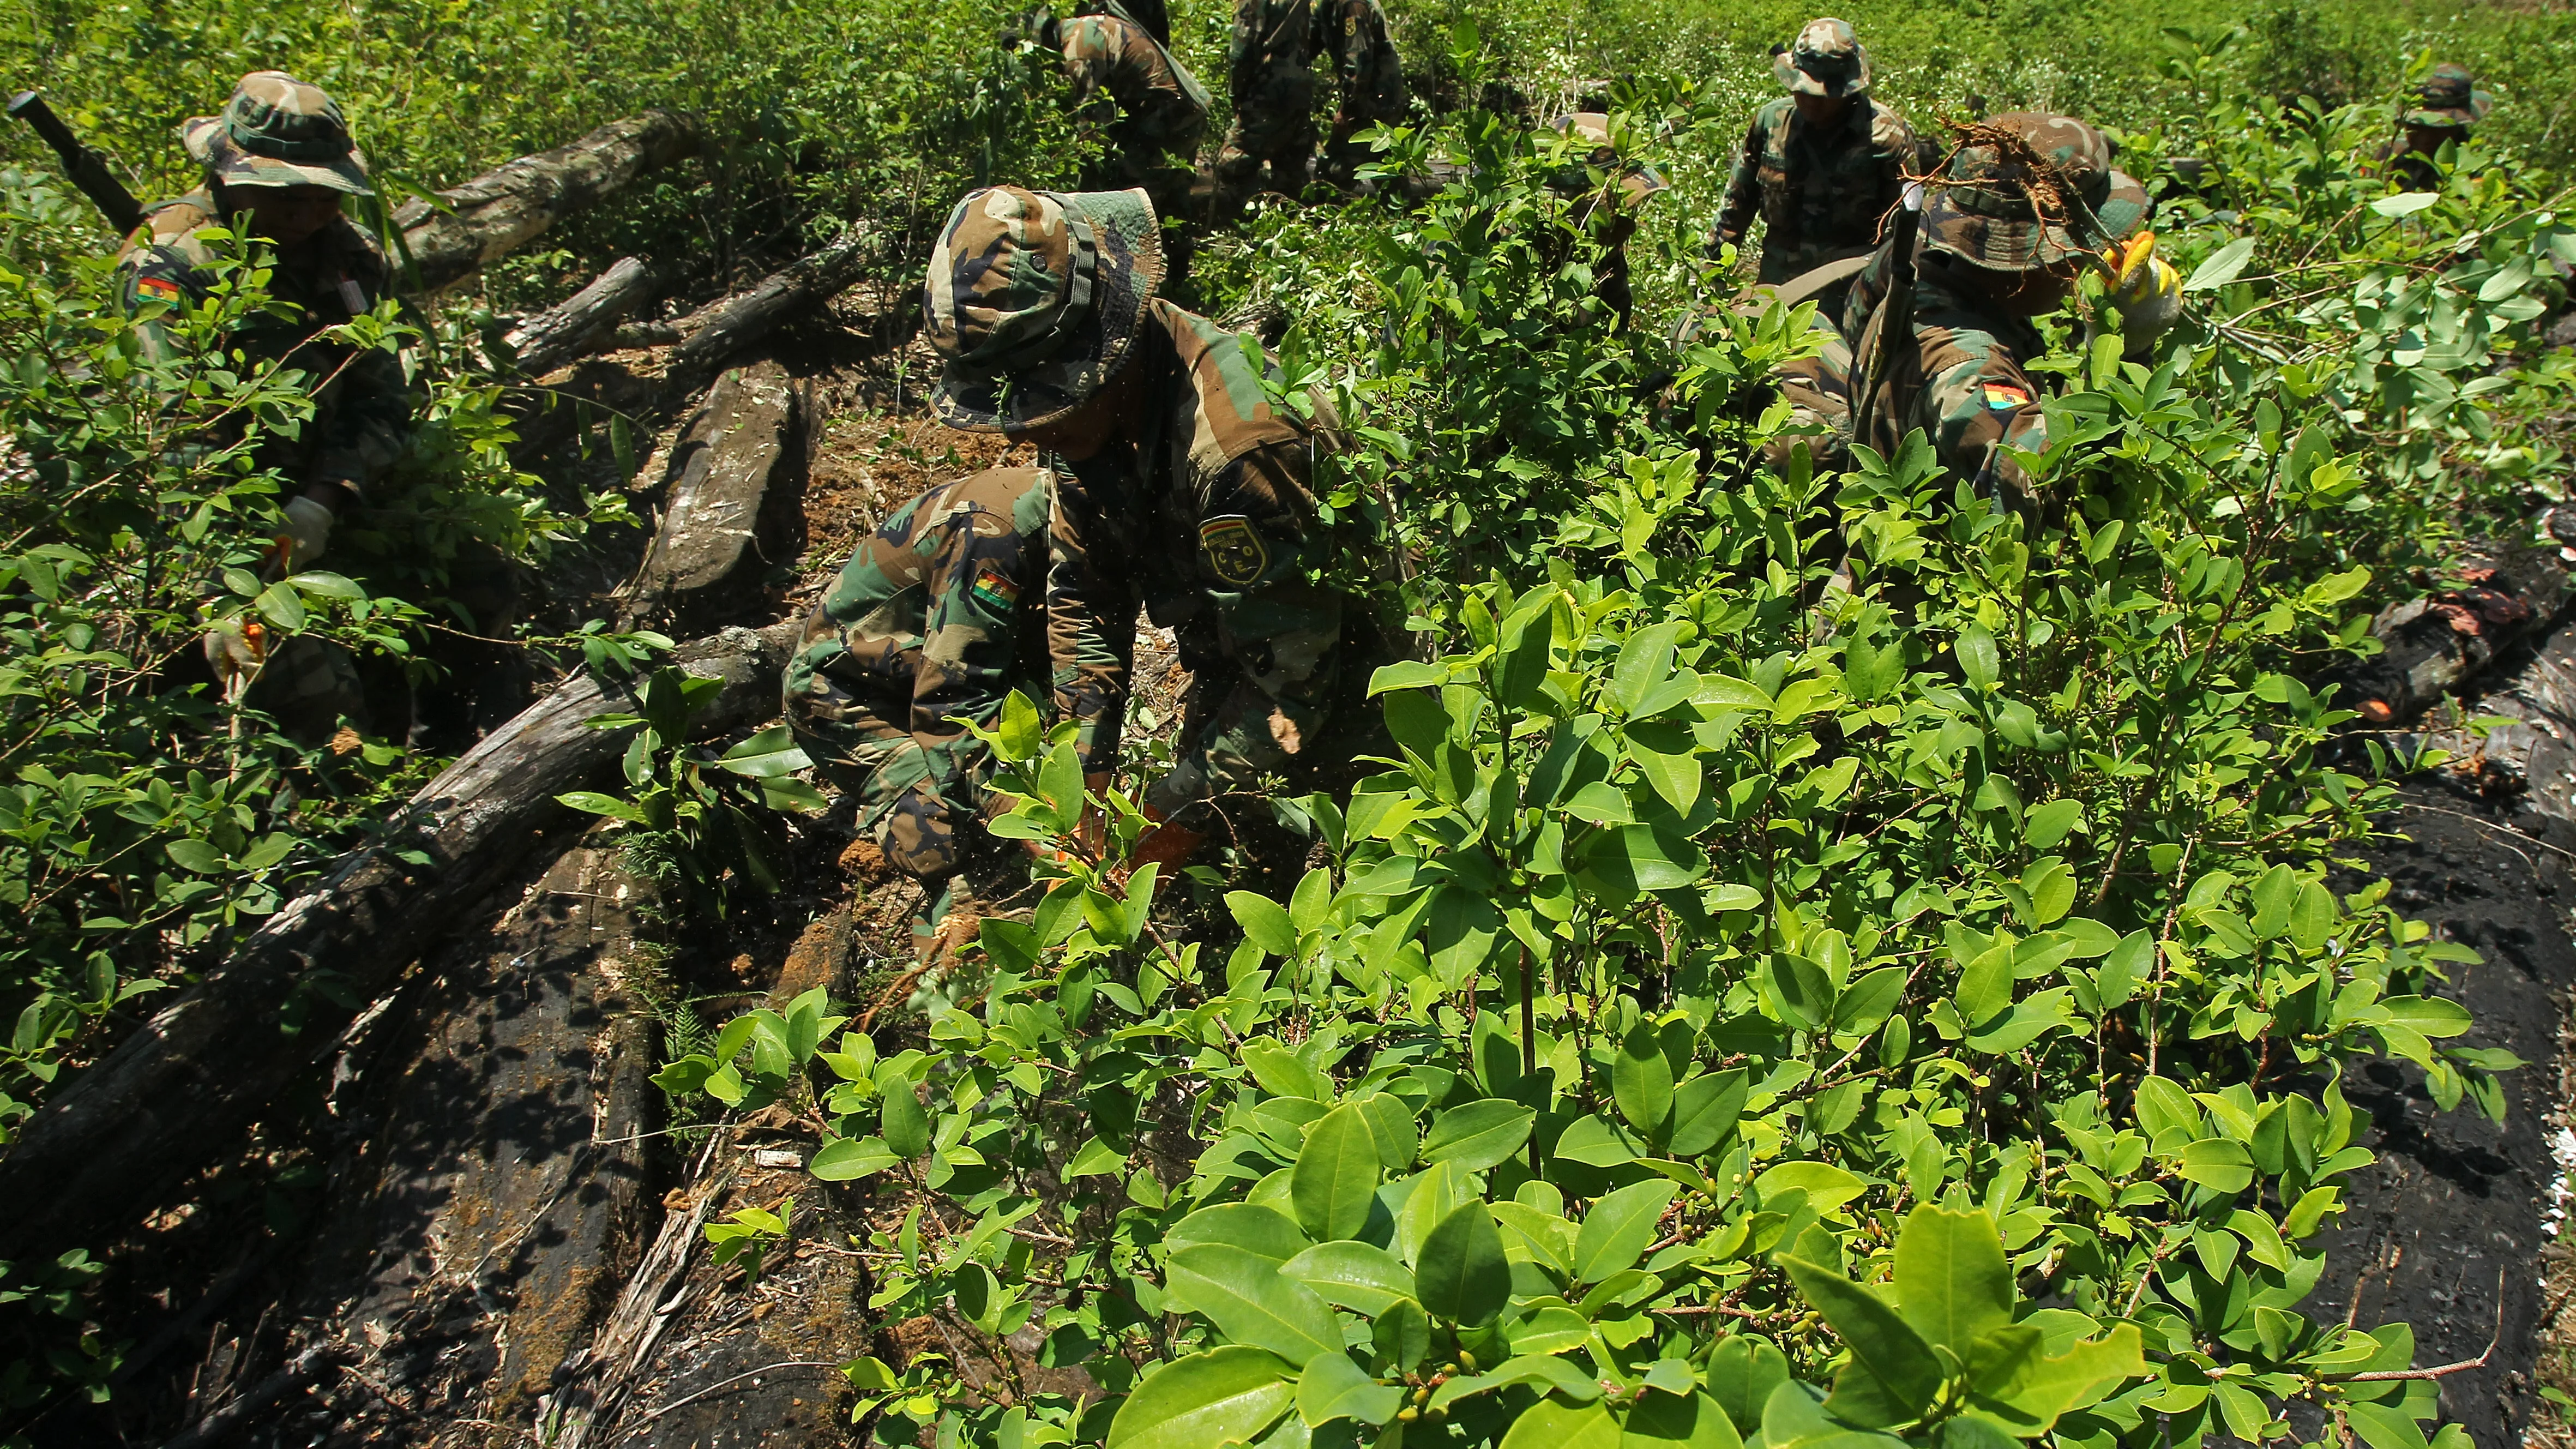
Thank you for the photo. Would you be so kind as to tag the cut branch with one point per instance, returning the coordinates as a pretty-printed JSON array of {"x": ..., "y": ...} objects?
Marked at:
[{"x": 717, "y": 331}]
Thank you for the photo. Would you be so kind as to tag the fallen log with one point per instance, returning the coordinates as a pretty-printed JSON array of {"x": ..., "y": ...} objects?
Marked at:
[
  {"x": 2432, "y": 645},
  {"x": 732, "y": 490},
  {"x": 127, "y": 1133},
  {"x": 584, "y": 322},
  {"x": 496, "y": 211}
]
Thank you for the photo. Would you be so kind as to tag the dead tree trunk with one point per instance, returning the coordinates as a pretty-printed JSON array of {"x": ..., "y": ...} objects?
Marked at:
[
  {"x": 502, "y": 208},
  {"x": 584, "y": 322},
  {"x": 127, "y": 1133}
]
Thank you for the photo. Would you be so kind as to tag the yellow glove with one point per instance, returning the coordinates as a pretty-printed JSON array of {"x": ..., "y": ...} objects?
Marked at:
[{"x": 2145, "y": 290}]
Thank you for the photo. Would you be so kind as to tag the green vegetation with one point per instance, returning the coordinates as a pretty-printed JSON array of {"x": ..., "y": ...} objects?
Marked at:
[
  {"x": 1722, "y": 931},
  {"x": 1782, "y": 881}
]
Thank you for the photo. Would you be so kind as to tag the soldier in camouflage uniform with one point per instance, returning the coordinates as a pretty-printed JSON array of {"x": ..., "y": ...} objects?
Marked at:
[
  {"x": 1822, "y": 166},
  {"x": 1608, "y": 189},
  {"x": 933, "y": 619},
  {"x": 2447, "y": 105},
  {"x": 1179, "y": 490},
  {"x": 1270, "y": 74},
  {"x": 277, "y": 163},
  {"x": 1371, "y": 78},
  {"x": 2012, "y": 220},
  {"x": 1134, "y": 94}
]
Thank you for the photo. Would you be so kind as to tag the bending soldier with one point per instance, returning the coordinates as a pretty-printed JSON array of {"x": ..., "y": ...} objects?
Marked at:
[
  {"x": 2447, "y": 105},
  {"x": 934, "y": 618},
  {"x": 1821, "y": 166},
  {"x": 2011, "y": 221},
  {"x": 1371, "y": 81},
  {"x": 1179, "y": 490},
  {"x": 277, "y": 163},
  {"x": 1269, "y": 71},
  {"x": 1131, "y": 91},
  {"x": 1608, "y": 190}
]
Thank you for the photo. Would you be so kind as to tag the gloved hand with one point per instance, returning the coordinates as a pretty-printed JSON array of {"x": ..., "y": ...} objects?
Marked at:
[
  {"x": 305, "y": 537},
  {"x": 2144, "y": 289},
  {"x": 235, "y": 649}
]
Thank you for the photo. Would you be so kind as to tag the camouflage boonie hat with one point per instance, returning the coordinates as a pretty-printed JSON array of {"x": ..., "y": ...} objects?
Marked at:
[
  {"x": 1825, "y": 60},
  {"x": 1036, "y": 299},
  {"x": 2028, "y": 190},
  {"x": 2448, "y": 100},
  {"x": 278, "y": 131},
  {"x": 1637, "y": 181}
]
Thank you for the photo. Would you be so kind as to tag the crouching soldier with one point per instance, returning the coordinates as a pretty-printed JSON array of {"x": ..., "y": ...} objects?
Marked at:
[
  {"x": 1180, "y": 490},
  {"x": 1132, "y": 93},
  {"x": 934, "y": 618},
  {"x": 2022, "y": 208},
  {"x": 276, "y": 165}
]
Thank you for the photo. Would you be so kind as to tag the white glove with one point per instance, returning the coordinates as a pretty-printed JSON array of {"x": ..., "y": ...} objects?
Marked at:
[{"x": 307, "y": 534}]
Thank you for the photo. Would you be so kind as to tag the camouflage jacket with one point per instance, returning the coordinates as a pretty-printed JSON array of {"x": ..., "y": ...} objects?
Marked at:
[
  {"x": 362, "y": 409},
  {"x": 1207, "y": 526},
  {"x": 1821, "y": 194},
  {"x": 933, "y": 617},
  {"x": 1962, "y": 382},
  {"x": 1116, "y": 67}
]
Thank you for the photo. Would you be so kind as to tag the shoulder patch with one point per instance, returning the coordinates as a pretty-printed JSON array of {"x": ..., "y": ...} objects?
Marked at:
[
  {"x": 2003, "y": 397},
  {"x": 1235, "y": 552},
  {"x": 157, "y": 289}
]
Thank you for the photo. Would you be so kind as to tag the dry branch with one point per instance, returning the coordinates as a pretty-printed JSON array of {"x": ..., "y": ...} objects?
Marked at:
[{"x": 126, "y": 1134}]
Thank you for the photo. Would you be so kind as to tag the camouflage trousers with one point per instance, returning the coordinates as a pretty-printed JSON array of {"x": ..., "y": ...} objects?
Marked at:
[
  {"x": 1237, "y": 726},
  {"x": 1274, "y": 126},
  {"x": 309, "y": 686},
  {"x": 901, "y": 808}
]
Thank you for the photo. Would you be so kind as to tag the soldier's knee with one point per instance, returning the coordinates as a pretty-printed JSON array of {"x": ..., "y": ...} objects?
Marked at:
[{"x": 920, "y": 835}]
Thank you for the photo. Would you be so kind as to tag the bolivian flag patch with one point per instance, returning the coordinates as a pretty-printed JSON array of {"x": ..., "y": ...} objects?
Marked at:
[
  {"x": 2003, "y": 397},
  {"x": 993, "y": 588},
  {"x": 156, "y": 289}
]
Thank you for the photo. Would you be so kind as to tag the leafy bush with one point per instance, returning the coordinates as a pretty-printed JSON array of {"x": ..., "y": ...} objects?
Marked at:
[
  {"x": 147, "y": 818},
  {"x": 1781, "y": 880}
]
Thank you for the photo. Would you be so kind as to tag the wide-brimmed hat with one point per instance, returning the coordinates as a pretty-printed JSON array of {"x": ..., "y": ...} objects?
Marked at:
[
  {"x": 1825, "y": 60},
  {"x": 2028, "y": 189},
  {"x": 2448, "y": 99},
  {"x": 1036, "y": 299},
  {"x": 278, "y": 131},
  {"x": 1637, "y": 181}
]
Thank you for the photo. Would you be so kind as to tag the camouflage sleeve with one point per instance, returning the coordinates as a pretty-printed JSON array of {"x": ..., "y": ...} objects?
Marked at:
[
  {"x": 1258, "y": 550},
  {"x": 369, "y": 428},
  {"x": 1977, "y": 406},
  {"x": 1891, "y": 137},
  {"x": 1099, "y": 80},
  {"x": 1743, "y": 187},
  {"x": 979, "y": 571},
  {"x": 158, "y": 274},
  {"x": 1243, "y": 57},
  {"x": 1091, "y": 626}
]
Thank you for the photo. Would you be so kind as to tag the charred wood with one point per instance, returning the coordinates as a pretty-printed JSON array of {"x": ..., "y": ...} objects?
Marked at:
[{"x": 127, "y": 1133}]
